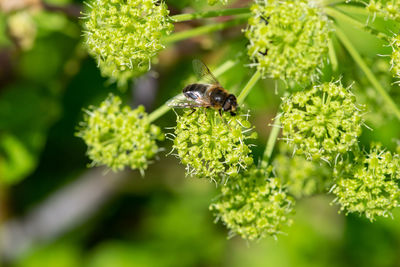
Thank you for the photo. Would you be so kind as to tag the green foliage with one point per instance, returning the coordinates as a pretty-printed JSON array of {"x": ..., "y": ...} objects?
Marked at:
[
  {"x": 22, "y": 137},
  {"x": 211, "y": 146},
  {"x": 124, "y": 36},
  {"x": 254, "y": 205},
  {"x": 118, "y": 136},
  {"x": 369, "y": 183},
  {"x": 288, "y": 40},
  {"x": 322, "y": 122}
]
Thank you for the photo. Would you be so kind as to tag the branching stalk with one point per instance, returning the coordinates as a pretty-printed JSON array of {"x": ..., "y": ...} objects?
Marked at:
[
  {"x": 369, "y": 74},
  {"x": 348, "y": 19},
  {"x": 250, "y": 84},
  {"x": 273, "y": 136},
  {"x": 332, "y": 55},
  {"x": 179, "y": 36},
  {"x": 210, "y": 14}
]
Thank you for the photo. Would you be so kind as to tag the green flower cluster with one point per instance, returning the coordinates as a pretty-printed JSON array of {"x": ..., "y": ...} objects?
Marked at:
[
  {"x": 390, "y": 9},
  {"x": 369, "y": 184},
  {"x": 288, "y": 39},
  {"x": 395, "y": 58},
  {"x": 124, "y": 35},
  {"x": 211, "y": 146},
  {"x": 254, "y": 205},
  {"x": 119, "y": 137},
  {"x": 302, "y": 177},
  {"x": 322, "y": 122}
]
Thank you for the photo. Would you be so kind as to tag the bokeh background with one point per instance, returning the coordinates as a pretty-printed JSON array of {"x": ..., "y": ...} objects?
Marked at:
[{"x": 57, "y": 212}]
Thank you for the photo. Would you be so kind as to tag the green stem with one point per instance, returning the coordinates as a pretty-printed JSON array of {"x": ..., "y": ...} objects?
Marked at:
[
  {"x": 210, "y": 14},
  {"x": 371, "y": 77},
  {"x": 158, "y": 113},
  {"x": 273, "y": 136},
  {"x": 178, "y": 36},
  {"x": 346, "y": 18},
  {"x": 164, "y": 108},
  {"x": 357, "y": 10},
  {"x": 250, "y": 84},
  {"x": 332, "y": 55},
  {"x": 332, "y": 2}
]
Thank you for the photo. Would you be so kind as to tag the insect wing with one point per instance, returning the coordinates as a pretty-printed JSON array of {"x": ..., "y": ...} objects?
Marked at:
[
  {"x": 180, "y": 101},
  {"x": 203, "y": 72}
]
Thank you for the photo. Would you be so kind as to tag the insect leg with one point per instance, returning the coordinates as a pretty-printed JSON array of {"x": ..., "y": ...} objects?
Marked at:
[{"x": 193, "y": 110}]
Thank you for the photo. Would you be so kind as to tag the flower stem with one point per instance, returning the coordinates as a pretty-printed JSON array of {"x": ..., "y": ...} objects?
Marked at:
[
  {"x": 250, "y": 84},
  {"x": 370, "y": 76},
  {"x": 164, "y": 108},
  {"x": 332, "y": 55},
  {"x": 210, "y": 14},
  {"x": 178, "y": 36},
  {"x": 332, "y": 2},
  {"x": 158, "y": 113},
  {"x": 346, "y": 18},
  {"x": 357, "y": 10},
  {"x": 273, "y": 136}
]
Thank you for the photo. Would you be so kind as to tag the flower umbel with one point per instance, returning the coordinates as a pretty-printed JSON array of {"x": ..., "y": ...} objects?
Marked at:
[
  {"x": 254, "y": 205},
  {"x": 124, "y": 35},
  {"x": 388, "y": 8},
  {"x": 369, "y": 185},
  {"x": 211, "y": 146},
  {"x": 301, "y": 177},
  {"x": 395, "y": 58},
  {"x": 288, "y": 39},
  {"x": 118, "y": 136},
  {"x": 322, "y": 122}
]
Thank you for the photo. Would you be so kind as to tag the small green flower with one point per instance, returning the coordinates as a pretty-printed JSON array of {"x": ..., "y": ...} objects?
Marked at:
[
  {"x": 254, "y": 205},
  {"x": 118, "y": 136},
  {"x": 388, "y": 8},
  {"x": 302, "y": 177},
  {"x": 322, "y": 122},
  {"x": 368, "y": 184},
  {"x": 211, "y": 146},
  {"x": 395, "y": 58},
  {"x": 124, "y": 35},
  {"x": 288, "y": 39}
]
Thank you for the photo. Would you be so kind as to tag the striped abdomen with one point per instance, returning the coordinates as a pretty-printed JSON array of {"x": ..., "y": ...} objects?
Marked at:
[{"x": 195, "y": 91}]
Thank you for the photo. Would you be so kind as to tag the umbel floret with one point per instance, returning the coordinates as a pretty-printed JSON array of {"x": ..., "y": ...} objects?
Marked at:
[
  {"x": 119, "y": 137},
  {"x": 388, "y": 8},
  {"x": 124, "y": 35},
  {"x": 322, "y": 122},
  {"x": 254, "y": 205},
  {"x": 288, "y": 39},
  {"x": 212, "y": 146},
  {"x": 368, "y": 184},
  {"x": 395, "y": 58}
]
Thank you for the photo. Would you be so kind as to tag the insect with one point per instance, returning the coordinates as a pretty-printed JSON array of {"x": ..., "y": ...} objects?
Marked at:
[{"x": 208, "y": 95}]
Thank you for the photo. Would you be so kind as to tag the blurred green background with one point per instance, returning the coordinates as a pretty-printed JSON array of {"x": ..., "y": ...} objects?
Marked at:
[{"x": 56, "y": 212}]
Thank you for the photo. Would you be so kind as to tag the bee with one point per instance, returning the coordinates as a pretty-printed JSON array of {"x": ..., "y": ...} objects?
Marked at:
[{"x": 207, "y": 95}]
